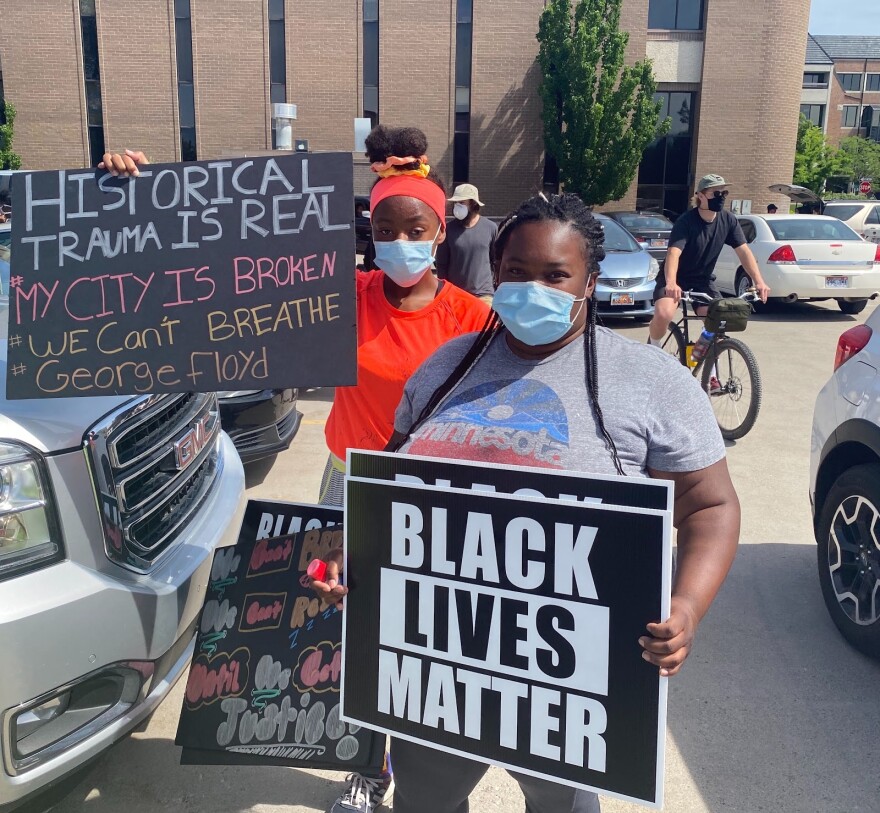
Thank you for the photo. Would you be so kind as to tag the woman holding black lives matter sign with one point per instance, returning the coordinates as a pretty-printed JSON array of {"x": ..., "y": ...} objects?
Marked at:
[{"x": 542, "y": 386}]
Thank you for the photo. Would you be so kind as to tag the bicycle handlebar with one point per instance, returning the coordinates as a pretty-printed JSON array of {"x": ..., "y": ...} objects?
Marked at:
[{"x": 692, "y": 296}]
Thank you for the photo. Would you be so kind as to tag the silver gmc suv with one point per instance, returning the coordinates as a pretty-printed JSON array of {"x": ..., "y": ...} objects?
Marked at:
[{"x": 110, "y": 510}]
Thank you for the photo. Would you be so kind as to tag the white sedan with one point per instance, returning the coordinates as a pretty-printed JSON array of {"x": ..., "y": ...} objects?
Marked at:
[{"x": 805, "y": 257}]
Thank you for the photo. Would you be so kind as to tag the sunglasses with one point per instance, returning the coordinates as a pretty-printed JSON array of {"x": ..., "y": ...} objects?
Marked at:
[{"x": 723, "y": 194}]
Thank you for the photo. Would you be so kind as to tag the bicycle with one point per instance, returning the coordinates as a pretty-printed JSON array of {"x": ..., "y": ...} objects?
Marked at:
[{"x": 728, "y": 371}]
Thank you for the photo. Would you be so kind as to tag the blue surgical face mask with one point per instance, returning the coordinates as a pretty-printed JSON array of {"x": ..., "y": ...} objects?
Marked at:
[
  {"x": 535, "y": 314},
  {"x": 405, "y": 262}
]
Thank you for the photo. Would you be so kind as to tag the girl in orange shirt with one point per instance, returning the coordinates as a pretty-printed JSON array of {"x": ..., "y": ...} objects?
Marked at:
[{"x": 404, "y": 313}]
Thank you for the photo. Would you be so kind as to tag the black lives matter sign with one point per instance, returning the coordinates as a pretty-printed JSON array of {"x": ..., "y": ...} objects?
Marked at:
[
  {"x": 216, "y": 275},
  {"x": 505, "y": 629}
]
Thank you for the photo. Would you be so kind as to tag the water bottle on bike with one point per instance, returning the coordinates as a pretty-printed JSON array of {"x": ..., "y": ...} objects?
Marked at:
[{"x": 702, "y": 345}]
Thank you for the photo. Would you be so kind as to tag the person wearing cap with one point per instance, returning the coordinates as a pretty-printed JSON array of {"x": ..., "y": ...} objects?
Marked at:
[
  {"x": 772, "y": 208},
  {"x": 464, "y": 257},
  {"x": 695, "y": 244}
]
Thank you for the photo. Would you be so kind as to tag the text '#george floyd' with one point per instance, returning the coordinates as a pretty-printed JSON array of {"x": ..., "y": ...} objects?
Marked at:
[{"x": 188, "y": 277}]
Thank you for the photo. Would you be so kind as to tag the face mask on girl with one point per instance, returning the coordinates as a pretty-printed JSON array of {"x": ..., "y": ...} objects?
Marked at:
[
  {"x": 535, "y": 314},
  {"x": 460, "y": 211},
  {"x": 406, "y": 261}
]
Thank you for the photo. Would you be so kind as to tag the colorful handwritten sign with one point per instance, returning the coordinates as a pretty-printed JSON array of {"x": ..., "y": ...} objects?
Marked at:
[
  {"x": 263, "y": 688},
  {"x": 216, "y": 275}
]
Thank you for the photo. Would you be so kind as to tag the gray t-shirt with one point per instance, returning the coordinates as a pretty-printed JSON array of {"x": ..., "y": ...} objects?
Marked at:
[
  {"x": 463, "y": 258},
  {"x": 513, "y": 411}
]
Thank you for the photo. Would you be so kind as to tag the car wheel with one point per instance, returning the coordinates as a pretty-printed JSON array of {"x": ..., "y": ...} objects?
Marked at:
[
  {"x": 743, "y": 283},
  {"x": 852, "y": 306},
  {"x": 849, "y": 556}
]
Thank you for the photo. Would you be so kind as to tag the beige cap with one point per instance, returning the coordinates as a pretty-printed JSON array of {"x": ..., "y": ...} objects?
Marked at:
[
  {"x": 465, "y": 191},
  {"x": 708, "y": 181}
]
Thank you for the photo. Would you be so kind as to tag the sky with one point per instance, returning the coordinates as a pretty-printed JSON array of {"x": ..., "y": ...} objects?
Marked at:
[{"x": 845, "y": 17}]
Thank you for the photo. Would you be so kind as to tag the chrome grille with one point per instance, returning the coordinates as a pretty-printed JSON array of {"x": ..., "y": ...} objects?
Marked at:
[
  {"x": 153, "y": 463},
  {"x": 623, "y": 283}
]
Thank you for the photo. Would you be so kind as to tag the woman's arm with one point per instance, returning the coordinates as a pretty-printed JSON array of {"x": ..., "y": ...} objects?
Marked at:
[{"x": 707, "y": 515}]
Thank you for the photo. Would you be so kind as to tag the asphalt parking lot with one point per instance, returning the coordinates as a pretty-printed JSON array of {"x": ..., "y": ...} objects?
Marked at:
[{"x": 772, "y": 712}]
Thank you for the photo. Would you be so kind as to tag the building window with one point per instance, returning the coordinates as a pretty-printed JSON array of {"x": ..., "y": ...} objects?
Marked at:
[
  {"x": 850, "y": 81},
  {"x": 815, "y": 80},
  {"x": 681, "y": 15},
  {"x": 872, "y": 83},
  {"x": 371, "y": 61},
  {"x": 277, "y": 60},
  {"x": 92, "y": 78},
  {"x": 665, "y": 170},
  {"x": 850, "y": 115},
  {"x": 186, "y": 97},
  {"x": 461, "y": 145},
  {"x": 815, "y": 113}
]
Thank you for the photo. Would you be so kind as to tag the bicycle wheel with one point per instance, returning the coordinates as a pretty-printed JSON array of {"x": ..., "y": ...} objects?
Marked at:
[
  {"x": 674, "y": 343},
  {"x": 731, "y": 379}
]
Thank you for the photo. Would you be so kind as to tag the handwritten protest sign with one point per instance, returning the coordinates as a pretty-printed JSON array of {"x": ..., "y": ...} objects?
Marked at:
[
  {"x": 216, "y": 275},
  {"x": 519, "y": 480},
  {"x": 263, "y": 688},
  {"x": 506, "y": 629}
]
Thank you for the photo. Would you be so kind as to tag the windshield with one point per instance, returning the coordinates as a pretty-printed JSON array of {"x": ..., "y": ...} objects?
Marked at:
[
  {"x": 645, "y": 222},
  {"x": 842, "y": 212},
  {"x": 617, "y": 238},
  {"x": 802, "y": 228}
]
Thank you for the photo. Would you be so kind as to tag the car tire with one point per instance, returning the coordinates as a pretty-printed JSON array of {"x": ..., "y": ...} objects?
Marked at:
[
  {"x": 849, "y": 556},
  {"x": 852, "y": 306},
  {"x": 743, "y": 283}
]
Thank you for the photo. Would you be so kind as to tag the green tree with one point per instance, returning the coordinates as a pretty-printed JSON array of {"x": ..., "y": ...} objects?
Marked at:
[
  {"x": 815, "y": 160},
  {"x": 599, "y": 114},
  {"x": 8, "y": 159},
  {"x": 862, "y": 156}
]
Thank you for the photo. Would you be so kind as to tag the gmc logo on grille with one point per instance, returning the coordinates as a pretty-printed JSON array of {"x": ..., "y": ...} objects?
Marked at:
[{"x": 188, "y": 446}]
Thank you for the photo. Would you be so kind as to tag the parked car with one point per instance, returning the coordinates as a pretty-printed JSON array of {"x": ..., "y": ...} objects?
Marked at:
[
  {"x": 107, "y": 537},
  {"x": 261, "y": 423},
  {"x": 626, "y": 282},
  {"x": 362, "y": 228},
  {"x": 805, "y": 257},
  {"x": 845, "y": 486},
  {"x": 650, "y": 229},
  {"x": 863, "y": 216}
]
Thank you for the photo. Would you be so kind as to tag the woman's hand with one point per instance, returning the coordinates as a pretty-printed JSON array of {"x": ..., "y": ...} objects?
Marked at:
[
  {"x": 329, "y": 590},
  {"x": 670, "y": 641},
  {"x": 124, "y": 164}
]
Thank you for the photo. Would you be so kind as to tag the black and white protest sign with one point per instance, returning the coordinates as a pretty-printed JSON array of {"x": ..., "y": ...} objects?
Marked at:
[
  {"x": 213, "y": 275},
  {"x": 524, "y": 481},
  {"x": 263, "y": 687},
  {"x": 505, "y": 629}
]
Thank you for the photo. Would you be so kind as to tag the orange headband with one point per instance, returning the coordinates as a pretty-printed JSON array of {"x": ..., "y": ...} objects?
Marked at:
[{"x": 412, "y": 187}]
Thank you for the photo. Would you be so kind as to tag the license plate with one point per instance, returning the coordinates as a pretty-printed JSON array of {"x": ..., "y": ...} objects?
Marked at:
[
  {"x": 622, "y": 299},
  {"x": 836, "y": 282},
  {"x": 659, "y": 243}
]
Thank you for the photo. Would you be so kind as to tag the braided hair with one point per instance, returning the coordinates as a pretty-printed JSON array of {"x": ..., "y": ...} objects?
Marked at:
[{"x": 570, "y": 210}]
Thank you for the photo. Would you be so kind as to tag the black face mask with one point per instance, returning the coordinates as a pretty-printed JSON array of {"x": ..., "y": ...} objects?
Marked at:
[{"x": 716, "y": 204}]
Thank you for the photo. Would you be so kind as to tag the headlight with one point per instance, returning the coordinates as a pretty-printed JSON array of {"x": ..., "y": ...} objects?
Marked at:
[
  {"x": 653, "y": 269},
  {"x": 236, "y": 393},
  {"x": 29, "y": 533}
]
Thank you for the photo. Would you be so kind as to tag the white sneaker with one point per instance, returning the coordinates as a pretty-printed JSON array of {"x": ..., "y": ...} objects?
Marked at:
[{"x": 364, "y": 793}]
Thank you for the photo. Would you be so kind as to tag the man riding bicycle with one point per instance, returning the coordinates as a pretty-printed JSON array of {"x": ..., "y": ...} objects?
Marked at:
[{"x": 694, "y": 247}]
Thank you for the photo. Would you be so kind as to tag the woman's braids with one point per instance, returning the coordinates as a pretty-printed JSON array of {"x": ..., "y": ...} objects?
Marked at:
[
  {"x": 571, "y": 210},
  {"x": 384, "y": 142}
]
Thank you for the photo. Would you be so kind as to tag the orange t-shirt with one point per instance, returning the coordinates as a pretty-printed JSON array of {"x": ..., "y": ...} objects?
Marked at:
[{"x": 391, "y": 345}]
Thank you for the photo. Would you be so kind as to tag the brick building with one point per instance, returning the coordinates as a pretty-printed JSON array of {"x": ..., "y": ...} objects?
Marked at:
[
  {"x": 182, "y": 79},
  {"x": 841, "y": 87}
]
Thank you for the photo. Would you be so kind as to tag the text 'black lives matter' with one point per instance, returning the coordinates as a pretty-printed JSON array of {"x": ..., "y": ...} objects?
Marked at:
[
  {"x": 506, "y": 629},
  {"x": 263, "y": 687},
  {"x": 216, "y": 275}
]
